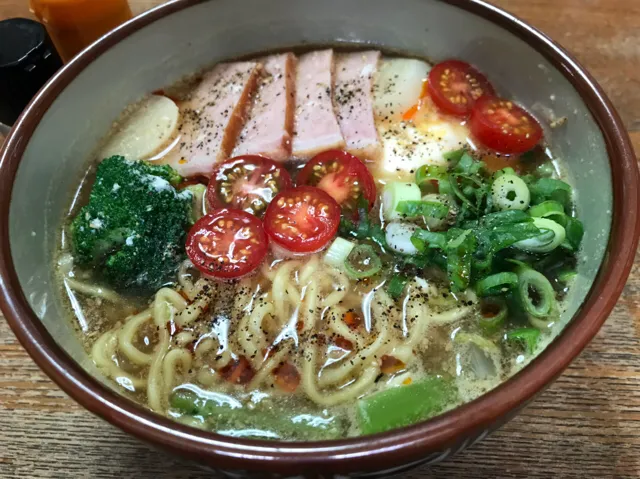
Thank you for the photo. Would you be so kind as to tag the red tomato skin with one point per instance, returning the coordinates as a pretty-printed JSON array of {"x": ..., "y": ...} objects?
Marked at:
[
  {"x": 234, "y": 267},
  {"x": 493, "y": 136},
  {"x": 294, "y": 240},
  {"x": 353, "y": 168},
  {"x": 458, "y": 70},
  {"x": 262, "y": 164}
]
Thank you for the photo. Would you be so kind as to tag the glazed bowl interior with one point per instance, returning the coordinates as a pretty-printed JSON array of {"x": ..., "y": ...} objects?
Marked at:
[{"x": 188, "y": 39}]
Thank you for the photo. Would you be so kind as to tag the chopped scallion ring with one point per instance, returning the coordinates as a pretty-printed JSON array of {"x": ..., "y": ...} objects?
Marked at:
[
  {"x": 396, "y": 192},
  {"x": 496, "y": 284},
  {"x": 338, "y": 252},
  {"x": 510, "y": 192},
  {"x": 542, "y": 243},
  {"x": 493, "y": 314},
  {"x": 527, "y": 336},
  {"x": 362, "y": 262},
  {"x": 536, "y": 293}
]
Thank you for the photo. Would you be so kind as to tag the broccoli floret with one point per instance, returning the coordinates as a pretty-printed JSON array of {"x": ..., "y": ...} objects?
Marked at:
[{"x": 133, "y": 230}]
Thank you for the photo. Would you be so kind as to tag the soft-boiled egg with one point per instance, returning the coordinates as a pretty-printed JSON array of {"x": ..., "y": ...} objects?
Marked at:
[{"x": 413, "y": 133}]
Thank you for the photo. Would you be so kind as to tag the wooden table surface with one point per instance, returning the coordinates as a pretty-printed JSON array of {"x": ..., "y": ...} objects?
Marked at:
[{"x": 587, "y": 425}]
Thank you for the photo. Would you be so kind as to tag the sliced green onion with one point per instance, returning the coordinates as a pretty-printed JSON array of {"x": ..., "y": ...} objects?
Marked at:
[
  {"x": 458, "y": 240},
  {"x": 454, "y": 156},
  {"x": 455, "y": 189},
  {"x": 398, "y": 237},
  {"x": 439, "y": 223},
  {"x": 459, "y": 270},
  {"x": 505, "y": 171},
  {"x": 198, "y": 205},
  {"x": 543, "y": 324},
  {"x": 493, "y": 314},
  {"x": 542, "y": 244},
  {"x": 423, "y": 239},
  {"x": 536, "y": 293},
  {"x": 507, "y": 235},
  {"x": 499, "y": 283},
  {"x": 427, "y": 209},
  {"x": 459, "y": 251},
  {"x": 509, "y": 192},
  {"x": 567, "y": 276},
  {"x": 527, "y": 336},
  {"x": 546, "y": 208},
  {"x": 545, "y": 187},
  {"x": 404, "y": 405},
  {"x": 551, "y": 189},
  {"x": 396, "y": 285},
  {"x": 574, "y": 233},
  {"x": 482, "y": 343},
  {"x": 394, "y": 193},
  {"x": 506, "y": 217},
  {"x": 545, "y": 169},
  {"x": 467, "y": 165},
  {"x": 362, "y": 262},
  {"x": 427, "y": 173},
  {"x": 444, "y": 187},
  {"x": 338, "y": 252}
]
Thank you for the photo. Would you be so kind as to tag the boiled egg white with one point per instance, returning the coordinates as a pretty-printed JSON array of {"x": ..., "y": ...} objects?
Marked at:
[{"x": 407, "y": 145}]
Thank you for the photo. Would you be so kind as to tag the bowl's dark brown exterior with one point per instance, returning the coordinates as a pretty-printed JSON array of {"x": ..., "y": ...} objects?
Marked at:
[{"x": 371, "y": 456}]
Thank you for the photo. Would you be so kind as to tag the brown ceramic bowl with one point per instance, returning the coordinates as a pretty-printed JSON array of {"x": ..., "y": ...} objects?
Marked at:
[{"x": 49, "y": 145}]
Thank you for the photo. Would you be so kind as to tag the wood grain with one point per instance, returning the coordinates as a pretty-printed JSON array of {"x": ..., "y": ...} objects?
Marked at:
[{"x": 586, "y": 425}]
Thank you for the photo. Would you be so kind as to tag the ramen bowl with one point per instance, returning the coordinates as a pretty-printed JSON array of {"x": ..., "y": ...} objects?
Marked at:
[{"x": 47, "y": 150}]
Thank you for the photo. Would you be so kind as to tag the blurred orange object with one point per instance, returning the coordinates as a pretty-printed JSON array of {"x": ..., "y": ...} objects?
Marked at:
[{"x": 74, "y": 24}]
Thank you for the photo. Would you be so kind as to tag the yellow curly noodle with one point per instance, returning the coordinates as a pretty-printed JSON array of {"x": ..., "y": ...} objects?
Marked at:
[{"x": 288, "y": 311}]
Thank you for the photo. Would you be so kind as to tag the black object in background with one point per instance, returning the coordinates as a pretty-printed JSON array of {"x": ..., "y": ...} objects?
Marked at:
[{"x": 27, "y": 60}]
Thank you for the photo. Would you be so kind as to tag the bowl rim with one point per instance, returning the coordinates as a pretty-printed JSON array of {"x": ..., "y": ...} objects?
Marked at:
[{"x": 366, "y": 453}]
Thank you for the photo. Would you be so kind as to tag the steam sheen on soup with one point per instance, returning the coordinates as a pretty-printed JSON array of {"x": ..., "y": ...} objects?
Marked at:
[{"x": 319, "y": 246}]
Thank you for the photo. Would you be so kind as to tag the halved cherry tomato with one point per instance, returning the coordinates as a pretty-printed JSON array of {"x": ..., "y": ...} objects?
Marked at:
[
  {"x": 503, "y": 126},
  {"x": 302, "y": 219},
  {"x": 248, "y": 183},
  {"x": 455, "y": 86},
  {"x": 342, "y": 175},
  {"x": 227, "y": 243}
]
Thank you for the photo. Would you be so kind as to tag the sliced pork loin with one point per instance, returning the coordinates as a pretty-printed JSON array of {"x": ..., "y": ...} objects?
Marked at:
[
  {"x": 268, "y": 129},
  {"x": 213, "y": 117},
  {"x": 316, "y": 128},
  {"x": 353, "y": 100}
]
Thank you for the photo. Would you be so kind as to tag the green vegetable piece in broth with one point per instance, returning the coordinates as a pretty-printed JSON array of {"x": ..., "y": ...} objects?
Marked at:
[
  {"x": 493, "y": 315},
  {"x": 527, "y": 336},
  {"x": 404, "y": 405},
  {"x": 428, "y": 173},
  {"x": 226, "y": 415},
  {"x": 396, "y": 192},
  {"x": 499, "y": 283},
  {"x": 362, "y": 262},
  {"x": 427, "y": 209},
  {"x": 536, "y": 294},
  {"x": 510, "y": 192},
  {"x": 423, "y": 239},
  {"x": 134, "y": 212},
  {"x": 574, "y": 233},
  {"x": 554, "y": 237},
  {"x": 396, "y": 285},
  {"x": 545, "y": 189}
]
